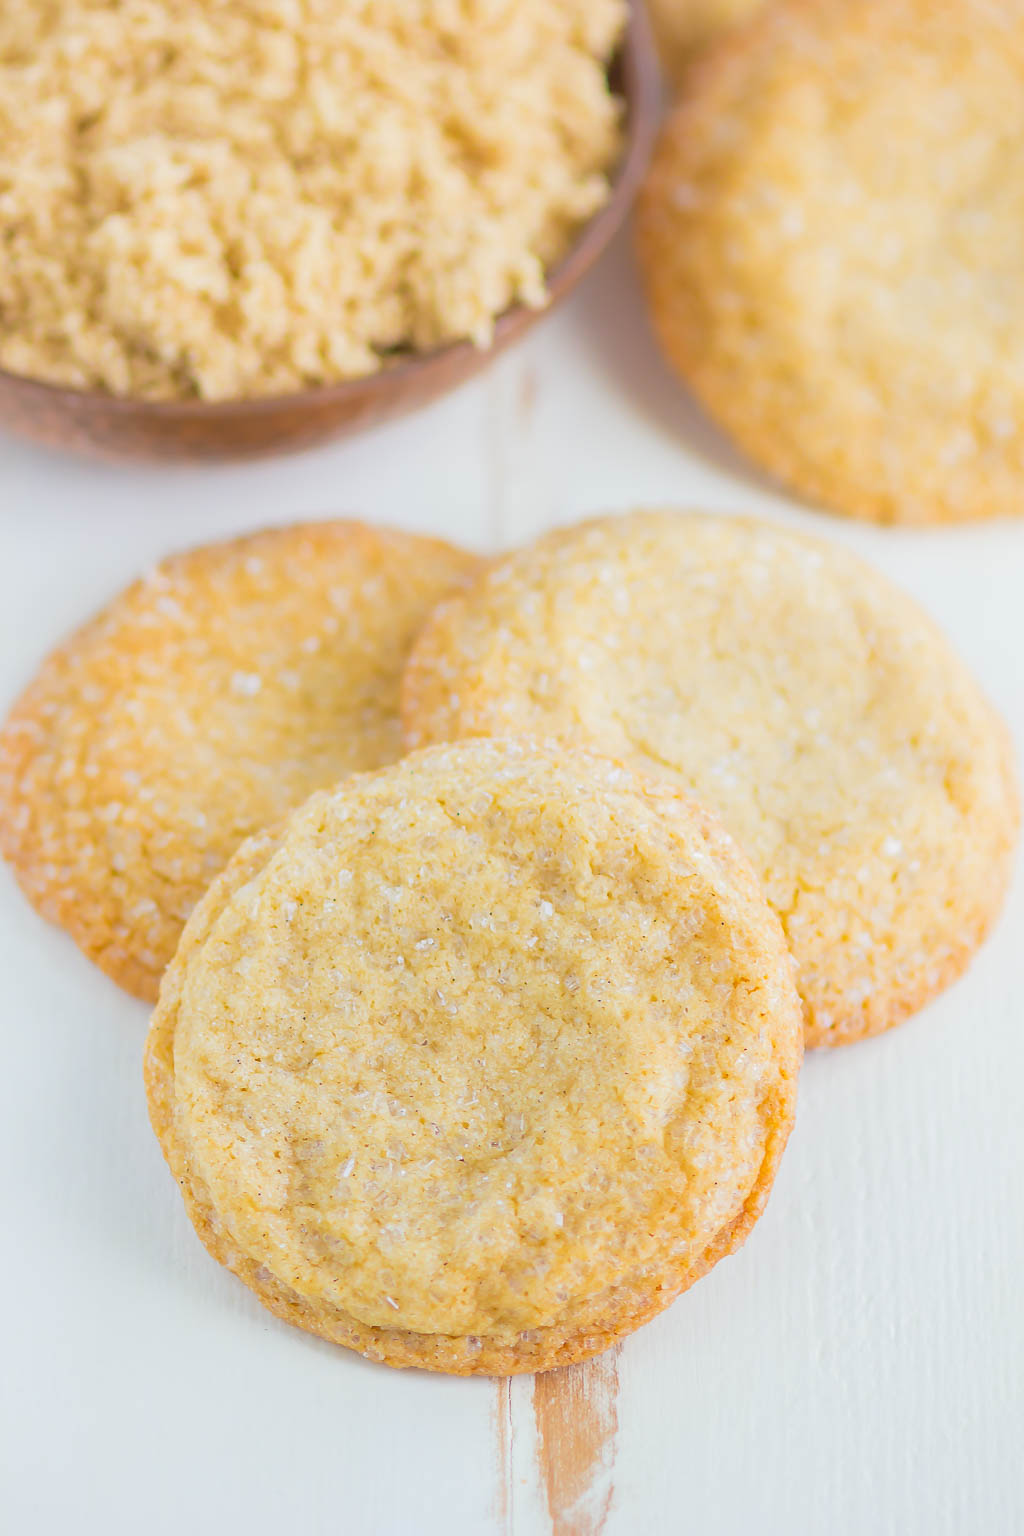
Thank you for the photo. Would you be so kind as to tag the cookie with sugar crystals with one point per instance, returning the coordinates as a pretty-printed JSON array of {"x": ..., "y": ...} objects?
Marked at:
[
  {"x": 830, "y": 242},
  {"x": 202, "y": 704},
  {"x": 478, "y": 1061},
  {"x": 683, "y": 27},
  {"x": 793, "y": 691}
]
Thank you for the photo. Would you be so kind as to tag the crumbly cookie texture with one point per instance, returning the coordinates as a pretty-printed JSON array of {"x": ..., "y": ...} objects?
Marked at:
[
  {"x": 206, "y": 701},
  {"x": 830, "y": 241},
  {"x": 793, "y": 691},
  {"x": 683, "y": 27},
  {"x": 478, "y": 1061},
  {"x": 232, "y": 200}
]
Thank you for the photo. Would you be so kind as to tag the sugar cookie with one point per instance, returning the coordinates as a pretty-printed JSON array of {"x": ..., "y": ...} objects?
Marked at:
[
  {"x": 479, "y": 1060},
  {"x": 830, "y": 241},
  {"x": 793, "y": 691},
  {"x": 203, "y": 703}
]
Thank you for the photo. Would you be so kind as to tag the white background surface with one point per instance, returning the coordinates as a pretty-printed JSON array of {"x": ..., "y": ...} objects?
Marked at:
[{"x": 856, "y": 1369}]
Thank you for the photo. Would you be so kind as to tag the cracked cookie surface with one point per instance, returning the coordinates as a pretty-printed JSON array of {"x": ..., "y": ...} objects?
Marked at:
[
  {"x": 203, "y": 703},
  {"x": 478, "y": 1061},
  {"x": 788, "y": 687}
]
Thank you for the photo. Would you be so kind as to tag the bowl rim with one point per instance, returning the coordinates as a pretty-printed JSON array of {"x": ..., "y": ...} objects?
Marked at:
[{"x": 636, "y": 62}]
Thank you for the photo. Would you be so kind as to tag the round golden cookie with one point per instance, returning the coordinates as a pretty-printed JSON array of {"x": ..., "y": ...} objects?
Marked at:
[
  {"x": 206, "y": 701},
  {"x": 479, "y": 1060},
  {"x": 683, "y": 27},
  {"x": 830, "y": 242},
  {"x": 789, "y": 688}
]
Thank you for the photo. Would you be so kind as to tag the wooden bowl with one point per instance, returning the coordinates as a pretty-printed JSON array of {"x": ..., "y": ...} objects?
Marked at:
[{"x": 117, "y": 428}]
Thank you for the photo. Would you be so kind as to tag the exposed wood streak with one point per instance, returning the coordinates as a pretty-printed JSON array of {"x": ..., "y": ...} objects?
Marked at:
[
  {"x": 529, "y": 389},
  {"x": 502, "y": 1416},
  {"x": 576, "y": 1414}
]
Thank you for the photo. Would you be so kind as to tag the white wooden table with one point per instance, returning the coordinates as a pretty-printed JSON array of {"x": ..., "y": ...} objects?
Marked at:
[{"x": 856, "y": 1370}]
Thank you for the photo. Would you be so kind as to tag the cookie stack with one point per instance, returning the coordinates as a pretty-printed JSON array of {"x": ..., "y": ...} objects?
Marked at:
[{"x": 474, "y": 1058}]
